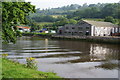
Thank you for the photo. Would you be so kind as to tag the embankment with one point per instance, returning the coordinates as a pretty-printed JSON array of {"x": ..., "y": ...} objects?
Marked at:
[
  {"x": 46, "y": 35},
  {"x": 13, "y": 70},
  {"x": 98, "y": 39}
]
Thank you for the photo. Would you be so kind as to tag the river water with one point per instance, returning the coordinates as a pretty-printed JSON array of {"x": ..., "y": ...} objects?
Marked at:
[{"x": 69, "y": 59}]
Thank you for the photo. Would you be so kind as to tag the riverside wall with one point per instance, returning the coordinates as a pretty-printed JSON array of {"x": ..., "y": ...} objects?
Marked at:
[{"x": 104, "y": 39}]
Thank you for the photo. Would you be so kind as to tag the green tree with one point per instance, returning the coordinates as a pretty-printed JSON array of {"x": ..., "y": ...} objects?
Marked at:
[
  {"x": 14, "y": 13},
  {"x": 109, "y": 19},
  {"x": 112, "y": 9},
  {"x": 72, "y": 21}
]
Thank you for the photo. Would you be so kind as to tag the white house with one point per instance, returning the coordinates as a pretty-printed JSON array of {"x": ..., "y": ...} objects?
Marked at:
[
  {"x": 99, "y": 28},
  {"x": 23, "y": 29},
  {"x": 90, "y": 28}
]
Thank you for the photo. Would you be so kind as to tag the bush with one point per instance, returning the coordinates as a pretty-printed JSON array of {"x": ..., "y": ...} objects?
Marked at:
[
  {"x": 109, "y": 19},
  {"x": 31, "y": 63}
]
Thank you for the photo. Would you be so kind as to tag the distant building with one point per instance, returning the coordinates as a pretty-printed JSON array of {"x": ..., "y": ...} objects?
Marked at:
[
  {"x": 52, "y": 31},
  {"x": 23, "y": 29},
  {"x": 90, "y": 28}
]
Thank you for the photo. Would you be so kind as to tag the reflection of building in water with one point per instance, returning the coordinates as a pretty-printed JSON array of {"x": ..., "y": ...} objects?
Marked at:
[
  {"x": 98, "y": 52},
  {"x": 83, "y": 47},
  {"x": 46, "y": 45},
  {"x": 90, "y": 52}
]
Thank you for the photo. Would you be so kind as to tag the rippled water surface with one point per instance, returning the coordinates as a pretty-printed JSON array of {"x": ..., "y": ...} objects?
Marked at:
[{"x": 69, "y": 59}]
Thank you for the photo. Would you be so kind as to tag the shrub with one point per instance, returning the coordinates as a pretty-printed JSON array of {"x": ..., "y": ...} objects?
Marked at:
[
  {"x": 31, "y": 63},
  {"x": 4, "y": 55}
]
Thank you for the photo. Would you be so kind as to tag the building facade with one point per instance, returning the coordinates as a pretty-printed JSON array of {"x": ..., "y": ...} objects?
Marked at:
[{"x": 89, "y": 28}]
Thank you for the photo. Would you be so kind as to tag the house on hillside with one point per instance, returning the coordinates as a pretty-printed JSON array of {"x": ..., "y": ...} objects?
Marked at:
[
  {"x": 90, "y": 28},
  {"x": 23, "y": 29}
]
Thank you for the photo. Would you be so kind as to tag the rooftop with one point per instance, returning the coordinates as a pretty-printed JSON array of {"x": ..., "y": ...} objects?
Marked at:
[
  {"x": 100, "y": 23},
  {"x": 23, "y": 27}
]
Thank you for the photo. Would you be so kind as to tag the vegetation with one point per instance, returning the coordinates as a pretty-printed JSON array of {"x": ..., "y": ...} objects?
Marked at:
[
  {"x": 0, "y": 68},
  {"x": 14, "y": 13},
  {"x": 85, "y": 11},
  {"x": 109, "y": 19},
  {"x": 31, "y": 63},
  {"x": 18, "y": 13},
  {"x": 0, "y": 19},
  {"x": 71, "y": 14},
  {"x": 98, "y": 11},
  {"x": 15, "y": 70}
]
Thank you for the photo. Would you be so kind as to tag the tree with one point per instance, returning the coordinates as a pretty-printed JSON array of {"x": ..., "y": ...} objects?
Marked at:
[
  {"x": 112, "y": 9},
  {"x": 109, "y": 19},
  {"x": 0, "y": 19},
  {"x": 14, "y": 13},
  {"x": 72, "y": 21}
]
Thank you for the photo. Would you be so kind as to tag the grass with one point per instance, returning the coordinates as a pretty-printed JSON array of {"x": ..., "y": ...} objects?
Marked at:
[
  {"x": 0, "y": 68},
  {"x": 12, "y": 69},
  {"x": 56, "y": 16},
  {"x": 43, "y": 23}
]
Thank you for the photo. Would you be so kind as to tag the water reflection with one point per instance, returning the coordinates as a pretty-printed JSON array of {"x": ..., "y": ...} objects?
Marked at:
[
  {"x": 99, "y": 52},
  {"x": 91, "y": 52},
  {"x": 73, "y": 58},
  {"x": 46, "y": 45}
]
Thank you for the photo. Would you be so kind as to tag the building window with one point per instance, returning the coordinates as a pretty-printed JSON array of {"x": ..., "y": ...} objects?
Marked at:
[
  {"x": 69, "y": 32},
  {"x": 20, "y": 28},
  {"x": 87, "y": 28},
  {"x": 87, "y": 33},
  {"x": 80, "y": 32},
  {"x": 73, "y": 27}
]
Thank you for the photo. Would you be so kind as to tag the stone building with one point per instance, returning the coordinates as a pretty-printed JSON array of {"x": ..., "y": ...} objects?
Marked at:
[{"x": 89, "y": 28}]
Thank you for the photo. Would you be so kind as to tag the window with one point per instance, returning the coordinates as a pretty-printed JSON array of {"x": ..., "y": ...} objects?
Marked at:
[
  {"x": 73, "y": 27},
  {"x": 20, "y": 28},
  {"x": 80, "y": 32},
  {"x": 87, "y": 28},
  {"x": 87, "y": 33}
]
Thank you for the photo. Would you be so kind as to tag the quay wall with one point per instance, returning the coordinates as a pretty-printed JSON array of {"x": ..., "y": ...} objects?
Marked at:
[{"x": 99, "y": 39}]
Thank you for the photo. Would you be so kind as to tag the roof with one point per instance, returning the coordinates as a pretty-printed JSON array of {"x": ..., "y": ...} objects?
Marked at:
[
  {"x": 23, "y": 27},
  {"x": 100, "y": 23}
]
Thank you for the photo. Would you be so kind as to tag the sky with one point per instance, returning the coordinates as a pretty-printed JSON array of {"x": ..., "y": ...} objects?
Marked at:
[{"x": 43, "y": 4}]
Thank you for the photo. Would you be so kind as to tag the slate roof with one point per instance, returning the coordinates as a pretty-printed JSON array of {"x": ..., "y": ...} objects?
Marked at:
[{"x": 100, "y": 23}]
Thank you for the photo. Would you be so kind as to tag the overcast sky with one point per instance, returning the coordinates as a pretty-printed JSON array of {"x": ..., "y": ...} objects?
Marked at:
[{"x": 43, "y": 4}]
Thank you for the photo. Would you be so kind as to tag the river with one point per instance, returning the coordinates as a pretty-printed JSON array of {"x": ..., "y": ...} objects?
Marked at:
[{"x": 69, "y": 59}]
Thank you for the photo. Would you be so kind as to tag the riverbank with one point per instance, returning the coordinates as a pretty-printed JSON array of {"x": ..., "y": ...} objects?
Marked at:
[
  {"x": 98, "y": 39},
  {"x": 47, "y": 35},
  {"x": 12, "y": 69}
]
